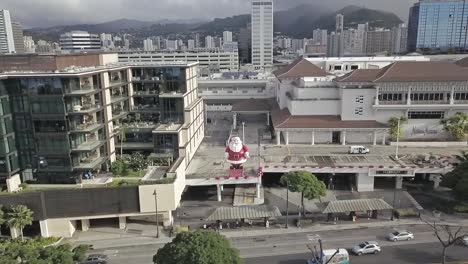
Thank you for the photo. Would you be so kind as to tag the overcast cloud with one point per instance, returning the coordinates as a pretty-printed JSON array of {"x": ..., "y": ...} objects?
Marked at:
[{"x": 38, "y": 13}]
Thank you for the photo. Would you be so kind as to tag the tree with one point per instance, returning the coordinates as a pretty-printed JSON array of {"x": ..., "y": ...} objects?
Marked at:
[
  {"x": 393, "y": 123},
  {"x": 306, "y": 183},
  {"x": 138, "y": 162},
  {"x": 18, "y": 217},
  {"x": 119, "y": 167},
  {"x": 446, "y": 236},
  {"x": 457, "y": 180},
  {"x": 2, "y": 218},
  {"x": 463, "y": 156},
  {"x": 201, "y": 247},
  {"x": 456, "y": 125}
]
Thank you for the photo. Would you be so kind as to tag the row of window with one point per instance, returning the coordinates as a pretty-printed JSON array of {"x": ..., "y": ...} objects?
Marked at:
[{"x": 426, "y": 114}]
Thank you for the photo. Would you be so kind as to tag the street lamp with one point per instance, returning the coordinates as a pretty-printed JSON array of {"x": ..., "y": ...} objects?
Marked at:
[
  {"x": 287, "y": 204},
  {"x": 397, "y": 138},
  {"x": 157, "y": 217},
  {"x": 243, "y": 132}
]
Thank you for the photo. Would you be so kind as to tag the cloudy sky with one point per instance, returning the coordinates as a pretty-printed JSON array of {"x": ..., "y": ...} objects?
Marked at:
[{"x": 39, "y": 13}]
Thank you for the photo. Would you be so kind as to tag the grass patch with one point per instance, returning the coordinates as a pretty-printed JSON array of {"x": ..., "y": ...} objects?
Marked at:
[
  {"x": 121, "y": 183},
  {"x": 132, "y": 174}
]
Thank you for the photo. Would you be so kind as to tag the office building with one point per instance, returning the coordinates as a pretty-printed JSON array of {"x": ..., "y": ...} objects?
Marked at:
[
  {"x": 148, "y": 45},
  {"x": 245, "y": 44},
  {"x": 18, "y": 37},
  {"x": 43, "y": 47},
  {"x": 197, "y": 40},
  {"x": 76, "y": 41},
  {"x": 29, "y": 45},
  {"x": 378, "y": 41},
  {"x": 227, "y": 36},
  {"x": 262, "y": 33},
  {"x": 67, "y": 119},
  {"x": 210, "y": 60},
  {"x": 438, "y": 25},
  {"x": 191, "y": 44},
  {"x": 209, "y": 42},
  {"x": 399, "y": 39},
  {"x": 339, "y": 23},
  {"x": 230, "y": 47},
  {"x": 7, "y": 41}
]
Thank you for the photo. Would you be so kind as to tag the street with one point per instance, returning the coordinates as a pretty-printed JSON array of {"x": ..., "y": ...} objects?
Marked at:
[{"x": 292, "y": 248}]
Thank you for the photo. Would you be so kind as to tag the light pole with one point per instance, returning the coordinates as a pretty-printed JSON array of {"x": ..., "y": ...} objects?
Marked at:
[
  {"x": 287, "y": 204},
  {"x": 157, "y": 217},
  {"x": 243, "y": 132},
  {"x": 397, "y": 138},
  {"x": 393, "y": 205}
]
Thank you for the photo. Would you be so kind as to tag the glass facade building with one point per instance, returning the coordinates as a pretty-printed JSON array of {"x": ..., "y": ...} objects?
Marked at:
[
  {"x": 438, "y": 25},
  {"x": 57, "y": 126}
]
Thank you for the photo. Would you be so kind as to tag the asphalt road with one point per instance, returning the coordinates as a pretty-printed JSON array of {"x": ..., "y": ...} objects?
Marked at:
[
  {"x": 292, "y": 248},
  {"x": 401, "y": 254}
]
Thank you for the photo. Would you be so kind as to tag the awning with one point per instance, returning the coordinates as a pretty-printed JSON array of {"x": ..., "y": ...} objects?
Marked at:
[
  {"x": 244, "y": 212},
  {"x": 360, "y": 205}
]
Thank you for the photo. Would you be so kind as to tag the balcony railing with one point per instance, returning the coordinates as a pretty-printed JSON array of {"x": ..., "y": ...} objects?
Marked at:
[
  {"x": 424, "y": 102},
  {"x": 147, "y": 92}
]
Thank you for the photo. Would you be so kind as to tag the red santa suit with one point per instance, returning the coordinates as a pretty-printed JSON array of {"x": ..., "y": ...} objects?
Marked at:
[{"x": 236, "y": 153}]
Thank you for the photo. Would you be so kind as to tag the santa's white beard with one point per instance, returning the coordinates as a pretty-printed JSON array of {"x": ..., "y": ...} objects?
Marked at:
[{"x": 235, "y": 147}]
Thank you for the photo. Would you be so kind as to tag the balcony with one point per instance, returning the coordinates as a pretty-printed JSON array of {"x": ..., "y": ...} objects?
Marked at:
[
  {"x": 118, "y": 98},
  {"x": 85, "y": 128},
  {"x": 89, "y": 163},
  {"x": 88, "y": 146},
  {"x": 146, "y": 93},
  {"x": 85, "y": 89},
  {"x": 85, "y": 109},
  {"x": 146, "y": 108},
  {"x": 135, "y": 145},
  {"x": 146, "y": 79}
]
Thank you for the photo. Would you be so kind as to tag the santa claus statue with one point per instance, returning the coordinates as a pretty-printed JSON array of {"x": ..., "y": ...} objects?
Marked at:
[{"x": 236, "y": 153}]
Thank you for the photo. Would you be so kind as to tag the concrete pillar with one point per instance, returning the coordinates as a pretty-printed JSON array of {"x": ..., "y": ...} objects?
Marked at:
[
  {"x": 452, "y": 96},
  {"x": 168, "y": 220},
  {"x": 383, "y": 137},
  {"x": 313, "y": 137},
  {"x": 374, "y": 142},
  {"x": 259, "y": 185},
  {"x": 278, "y": 138},
  {"x": 408, "y": 100},
  {"x": 84, "y": 225},
  {"x": 44, "y": 228},
  {"x": 343, "y": 139},
  {"x": 398, "y": 183},
  {"x": 222, "y": 188},
  {"x": 364, "y": 182},
  {"x": 234, "y": 121},
  {"x": 218, "y": 191},
  {"x": 376, "y": 102},
  {"x": 268, "y": 118},
  {"x": 122, "y": 222},
  {"x": 286, "y": 138},
  {"x": 14, "y": 232}
]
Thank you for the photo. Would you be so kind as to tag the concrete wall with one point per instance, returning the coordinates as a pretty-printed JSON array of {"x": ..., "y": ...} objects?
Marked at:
[
  {"x": 60, "y": 227},
  {"x": 306, "y": 137},
  {"x": 356, "y": 104},
  {"x": 364, "y": 182},
  {"x": 330, "y": 92},
  {"x": 311, "y": 107},
  {"x": 360, "y": 137}
]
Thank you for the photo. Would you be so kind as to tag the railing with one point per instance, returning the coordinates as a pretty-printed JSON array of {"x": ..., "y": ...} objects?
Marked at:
[
  {"x": 392, "y": 102},
  {"x": 429, "y": 102}
]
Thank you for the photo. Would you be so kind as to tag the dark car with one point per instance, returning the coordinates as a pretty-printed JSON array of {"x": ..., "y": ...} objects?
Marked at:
[{"x": 95, "y": 259}]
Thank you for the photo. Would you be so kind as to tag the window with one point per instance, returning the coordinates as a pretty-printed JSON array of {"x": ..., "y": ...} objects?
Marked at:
[
  {"x": 359, "y": 99},
  {"x": 391, "y": 97},
  {"x": 426, "y": 114},
  {"x": 359, "y": 111}
]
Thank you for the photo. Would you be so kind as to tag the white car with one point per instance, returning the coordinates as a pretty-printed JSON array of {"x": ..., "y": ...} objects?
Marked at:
[
  {"x": 400, "y": 235},
  {"x": 366, "y": 247}
]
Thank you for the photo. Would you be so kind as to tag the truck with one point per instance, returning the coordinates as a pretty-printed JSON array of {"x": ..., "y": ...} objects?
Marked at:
[{"x": 331, "y": 256}]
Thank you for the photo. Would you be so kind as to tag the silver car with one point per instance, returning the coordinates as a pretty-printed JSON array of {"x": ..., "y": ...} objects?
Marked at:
[
  {"x": 366, "y": 247},
  {"x": 400, "y": 235}
]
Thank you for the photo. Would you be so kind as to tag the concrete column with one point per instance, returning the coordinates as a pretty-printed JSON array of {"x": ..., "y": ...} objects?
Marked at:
[
  {"x": 452, "y": 96},
  {"x": 84, "y": 225},
  {"x": 259, "y": 185},
  {"x": 44, "y": 228},
  {"x": 343, "y": 139},
  {"x": 398, "y": 183},
  {"x": 313, "y": 137},
  {"x": 383, "y": 137},
  {"x": 286, "y": 138},
  {"x": 168, "y": 220},
  {"x": 374, "y": 142},
  {"x": 122, "y": 222},
  {"x": 14, "y": 232},
  {"x": 376, "y": 95},
  {"x": 218, "y": 190},
  {"x": 222, "y": 188},
  {"x": 234, "y": 121},
  {"x": 278, "y": 138},
  {"x": 364, "y": 182},
  {"x": 268, "y": 118},
  {"x": 408, "y": 100}
]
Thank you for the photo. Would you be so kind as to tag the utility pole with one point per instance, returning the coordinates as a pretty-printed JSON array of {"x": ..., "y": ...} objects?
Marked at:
[
  {"x": 157, "y": 217},
  {"x": 287, "y": 204},
  {"x": 243, "y": 132},
  {"x": 397, "y": 138}
]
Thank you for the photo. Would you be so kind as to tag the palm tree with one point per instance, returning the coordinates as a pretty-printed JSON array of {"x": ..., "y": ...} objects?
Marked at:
[{"x": 18, "y": 217}]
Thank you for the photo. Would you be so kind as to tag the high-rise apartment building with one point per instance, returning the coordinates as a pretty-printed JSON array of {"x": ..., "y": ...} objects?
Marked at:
[
  {"x": 378, "y": 41},
  {"x": 339, "y": 23},
  {"x": 29, "y": 45},
  {"x": 335, "y": 46},
  {"x": 80, "y": 41},
  {"x": 262, "y": 32},
  {"x": 197, "y": 40},
  {"x": 227, "y": 36},
  {"x": 209, "y": 42},
  {"x": 245, "y": 44},
  {"x": 399, "y": 39},
  {"x": 191, "y": 44},
  {"x": 438, "y": 25},
  {"x": 106, "y": 40},
  {"x": 320, "y": 36},
  {"x": 148, "y": 45},
  {"x": 18, "y": 37},
  {"x": 7, "y": 42},
  {"x": 353, "y": 42}
]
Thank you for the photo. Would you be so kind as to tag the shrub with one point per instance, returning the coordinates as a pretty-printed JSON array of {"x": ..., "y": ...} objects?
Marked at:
[
  {"x": 406, "y": 212},
  {"x": 79, "y": 253},
  {"x": 461, "y": 208},
  {"x": 119, "y": 167}
]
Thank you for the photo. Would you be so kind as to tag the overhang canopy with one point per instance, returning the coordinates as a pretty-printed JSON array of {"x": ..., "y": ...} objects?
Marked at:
[
  {"x": 359, "y": 205},
  {"x": 244, "y": 212}
]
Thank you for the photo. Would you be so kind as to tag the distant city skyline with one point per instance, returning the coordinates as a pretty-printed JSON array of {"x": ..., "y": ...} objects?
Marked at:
[{"x": 35, "y": 13}]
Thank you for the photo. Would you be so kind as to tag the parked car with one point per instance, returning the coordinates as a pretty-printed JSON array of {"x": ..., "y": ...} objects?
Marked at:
[
  {"x": 96, "y": 259},
  {"x": 366, "y": 247},
  {"x": 358, "y": 150},
  {"x": 399, "y": 235}
]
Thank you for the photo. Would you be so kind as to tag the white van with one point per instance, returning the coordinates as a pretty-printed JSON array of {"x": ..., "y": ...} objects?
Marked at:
[{"x": 358, "y": 150}]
